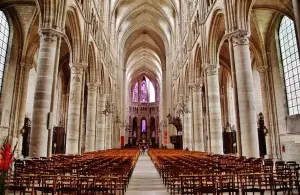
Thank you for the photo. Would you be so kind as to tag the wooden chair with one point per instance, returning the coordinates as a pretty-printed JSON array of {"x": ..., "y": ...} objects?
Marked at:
[
  {"x": 205, "y": 184},
  {"x": 250, "y": 183},
  {"x": 46, "y": 184},
  {"x": 22, "y": 184},
  {"x": 227, "y": 184},
  {"x": 282, "y": 181}
]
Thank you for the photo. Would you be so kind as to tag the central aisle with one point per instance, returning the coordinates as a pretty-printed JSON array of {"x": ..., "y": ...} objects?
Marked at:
[{"x": 145, "y": 179}]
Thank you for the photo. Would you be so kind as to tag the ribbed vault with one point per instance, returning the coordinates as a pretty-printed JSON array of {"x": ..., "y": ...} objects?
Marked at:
[{"x": 144, "y": 32}]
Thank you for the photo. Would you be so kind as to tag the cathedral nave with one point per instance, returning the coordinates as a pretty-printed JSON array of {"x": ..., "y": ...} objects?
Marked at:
[{"x": 101, "y": 79}]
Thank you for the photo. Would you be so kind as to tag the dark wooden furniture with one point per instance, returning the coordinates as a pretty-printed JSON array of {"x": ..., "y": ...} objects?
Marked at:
[
  {"x": 176, "y": 140},
  {"x": 26, "y": 137},
  {"x": 59, "y": 141}
]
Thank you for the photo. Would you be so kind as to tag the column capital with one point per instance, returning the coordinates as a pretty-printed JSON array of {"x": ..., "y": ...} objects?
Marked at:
[
  {"x": 240, "y": 37},
  {"x": 92, "y": 86},
  {"x": 26, "y": 66},
  {"x": 211, "y": 69},
  {"x": 197, "y": 88},
  {"x": 261, "y": 69},
  {"x": 78, "y": 68},
  {"x": 49, "y": 34}
]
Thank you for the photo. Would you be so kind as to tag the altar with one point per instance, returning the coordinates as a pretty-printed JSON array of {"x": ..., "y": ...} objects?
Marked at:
[{"x": 143, "y": 140}]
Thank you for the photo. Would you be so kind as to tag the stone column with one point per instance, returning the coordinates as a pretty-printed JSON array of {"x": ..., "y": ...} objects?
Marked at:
[
  {"x": 73, "y": 128},
  {"x": 43, "y": 92},
  {"x": 214, "y": 109},
  {"x": 248, "y": 126},
  {"x": 82, "y": 137},
  {"x": 264, "y": 94},
  {"x": 188, "y": 139},
  {"x": 25, "y": 70},
  {"x": 100, "y": 138},
  {"x": 296, "y": 5},
  {"x": 198, "y": 126},
  {"x": 108, "y": 131},
  {"x": 91, "y": 117}
]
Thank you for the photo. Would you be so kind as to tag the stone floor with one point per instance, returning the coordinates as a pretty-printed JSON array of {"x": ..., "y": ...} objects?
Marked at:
[{"x": 145, "y": 179}]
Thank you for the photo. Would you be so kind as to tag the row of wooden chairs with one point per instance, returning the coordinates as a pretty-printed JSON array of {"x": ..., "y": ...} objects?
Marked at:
[
  {"x": 185, "y": 172},
  {"x": 104, "y": 172}
]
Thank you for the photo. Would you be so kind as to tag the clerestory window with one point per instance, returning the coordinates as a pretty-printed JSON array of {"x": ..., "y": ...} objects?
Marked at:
[
  {"x": 290, "y": 62},
  {"x": 4, "y": 35}
]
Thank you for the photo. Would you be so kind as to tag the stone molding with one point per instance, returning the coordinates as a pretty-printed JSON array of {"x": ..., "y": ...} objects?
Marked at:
[
  {"x": 78, "y": 68},
  {"x": 240, "y": 37},
  {"x": 211, "y": 69},
  {"x": 197, "y": 88},
  {"x": 26, "y": 66},
  {"x": 92, "y": 86},
  {"x": 49, "y": 35},
  {"x": 261, "y": 69}
]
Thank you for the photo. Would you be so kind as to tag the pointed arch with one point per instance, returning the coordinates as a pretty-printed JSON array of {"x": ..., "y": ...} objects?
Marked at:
[
  {"x": 214, "y": 38},
  {"x": 75, "y": 37},
  {"x": 92, "y": 64}
]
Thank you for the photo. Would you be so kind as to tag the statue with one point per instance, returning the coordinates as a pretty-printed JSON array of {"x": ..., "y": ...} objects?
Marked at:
[
  {"x": 262, "y": 132},
  {"x": 228, "y": 128}
]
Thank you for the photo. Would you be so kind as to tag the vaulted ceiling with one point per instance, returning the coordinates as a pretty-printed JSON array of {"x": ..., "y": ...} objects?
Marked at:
[{"x": 144, "y": 33}]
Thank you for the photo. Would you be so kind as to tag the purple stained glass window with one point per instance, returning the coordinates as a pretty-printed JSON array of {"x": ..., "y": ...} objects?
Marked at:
[
  {"x": 144, "y": 126},
  {"x": 144, "y": 92},
  {"x": 135, "y": 94}
]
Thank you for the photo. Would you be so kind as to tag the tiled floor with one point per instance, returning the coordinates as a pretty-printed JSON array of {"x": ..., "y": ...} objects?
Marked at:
[{"x": 145, "y": 179}]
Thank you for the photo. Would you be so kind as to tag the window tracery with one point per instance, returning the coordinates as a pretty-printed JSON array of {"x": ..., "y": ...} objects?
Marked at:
[
  {"x": 4, "y": 35},
  {"x": 290, "y": 62},
  {"x": 144, "y": 91},
  {"x": 135, "y": 93},
  {"x": 144, "y": 129}
]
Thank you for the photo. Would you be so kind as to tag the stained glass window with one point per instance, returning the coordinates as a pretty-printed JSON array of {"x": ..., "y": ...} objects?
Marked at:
[
  {"x": 144, "y": 91},
  {"x": 143, "y": 125},
  {"x": 4, "y": 34},
  {"x": 291, "y": 64},
  {"x": 135, "y": 94},
  {"x": 151, "y": 90}
]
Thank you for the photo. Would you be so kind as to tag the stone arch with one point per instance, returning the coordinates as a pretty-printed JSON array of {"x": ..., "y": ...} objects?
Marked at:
[
  {"x": 198, "y": 66},
  {"x": 214, "y": 38},
  {"x": 186, "y": 78},
  {"x": 91, "y": 72},
  {"x": 73, "y": 27},
  {"x": 243, "y": 14},
  {"x": 32, "y": 40}
]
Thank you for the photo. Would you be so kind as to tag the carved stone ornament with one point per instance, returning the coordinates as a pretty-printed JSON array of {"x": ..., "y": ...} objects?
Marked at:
[
  {"x": 240, "y": 37},
  {"x": 76, "y": 79},
  {"x": 49, "y": 35},
  {"x": 73, "y": 97},
  {"x": 92, "y": 86},
  {"x": 261, "y": 69},
  {"x": 197, "y": 88},
  {"x": 26, "y": 66},
  {"x": 211, "y": 69},
  {"x": 77, "y": 68}
]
